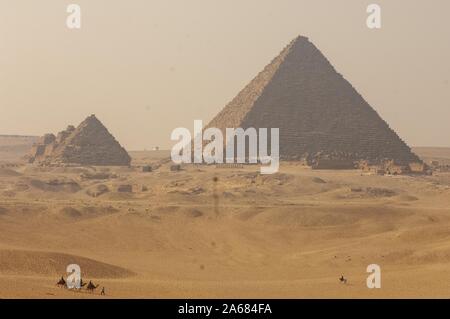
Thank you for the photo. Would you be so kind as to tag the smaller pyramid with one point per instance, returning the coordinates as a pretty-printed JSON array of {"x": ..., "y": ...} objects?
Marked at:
[{"x": 88, "y": 144}]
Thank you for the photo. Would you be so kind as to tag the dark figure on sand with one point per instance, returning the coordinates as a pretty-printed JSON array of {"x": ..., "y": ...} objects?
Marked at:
[
  {"x": 91, "y": 287},
  {"x": 343, "y": 280},
  {"x": 61, "y": 283}
]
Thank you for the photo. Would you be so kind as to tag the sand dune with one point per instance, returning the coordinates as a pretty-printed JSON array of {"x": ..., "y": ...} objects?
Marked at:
[
  {"x": 14, "y": 262},
  {"x": 286, "y": 235}
]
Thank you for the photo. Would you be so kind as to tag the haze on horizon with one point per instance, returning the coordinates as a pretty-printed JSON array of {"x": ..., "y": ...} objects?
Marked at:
[{"x": 148, "y": 67}]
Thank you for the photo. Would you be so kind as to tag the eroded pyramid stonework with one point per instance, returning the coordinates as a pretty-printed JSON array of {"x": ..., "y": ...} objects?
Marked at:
[
  {"x": 318, "y": 112},
  {"x": 88, "y": 144}
]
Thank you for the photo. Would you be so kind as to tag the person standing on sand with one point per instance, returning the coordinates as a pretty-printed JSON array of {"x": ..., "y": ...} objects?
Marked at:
[{"x": 103, "y": 291}]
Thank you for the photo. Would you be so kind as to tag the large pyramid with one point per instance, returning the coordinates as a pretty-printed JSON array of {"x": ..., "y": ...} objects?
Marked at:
[
  {"x": 318, "y": 112},
  {"x": 88, "y": 144}
]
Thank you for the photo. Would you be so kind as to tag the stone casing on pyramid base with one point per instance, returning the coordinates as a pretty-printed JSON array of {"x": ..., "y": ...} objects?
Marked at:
[
  {"x": 320, "y": 115},
  {"x": 88, "y": 144}
]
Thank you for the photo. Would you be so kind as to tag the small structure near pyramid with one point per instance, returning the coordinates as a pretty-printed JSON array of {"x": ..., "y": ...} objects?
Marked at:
[
  {"x": 88, "y": 144},
  {"x": 322, "y": 119}
]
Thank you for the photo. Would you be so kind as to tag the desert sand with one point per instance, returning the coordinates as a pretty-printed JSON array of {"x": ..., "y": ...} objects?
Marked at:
[{"x": 286, "y": 235}]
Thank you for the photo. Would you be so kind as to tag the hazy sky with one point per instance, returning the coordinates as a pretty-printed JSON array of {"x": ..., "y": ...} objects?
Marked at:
[{"x": 145, "y": 67}]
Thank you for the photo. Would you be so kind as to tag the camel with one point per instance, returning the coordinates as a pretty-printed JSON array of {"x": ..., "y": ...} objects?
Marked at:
[
  {"x": 61, "y": 283},
  {"x": 343, "y": 280},
  {"x": 91, "y": 287}
]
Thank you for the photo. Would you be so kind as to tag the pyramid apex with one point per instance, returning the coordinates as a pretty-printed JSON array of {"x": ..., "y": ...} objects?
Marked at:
[
  {"x": 299, "y": 41},
  {"x": 301, "y": 38},
  {"x": 92, "y": 119}
]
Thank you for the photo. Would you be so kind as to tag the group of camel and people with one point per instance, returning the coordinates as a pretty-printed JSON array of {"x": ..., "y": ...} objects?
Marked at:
[{"x": 90, "y": 287}]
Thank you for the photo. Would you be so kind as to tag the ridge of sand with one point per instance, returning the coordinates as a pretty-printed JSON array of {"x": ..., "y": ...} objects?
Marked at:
[{"x": 26, "y": 262}]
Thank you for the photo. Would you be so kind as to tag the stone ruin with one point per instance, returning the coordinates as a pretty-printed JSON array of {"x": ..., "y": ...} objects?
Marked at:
[
  {"x": 88, "y": 144},
  {"x": 390, "y": 167},
  {"x": 321, "y": 117}
]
